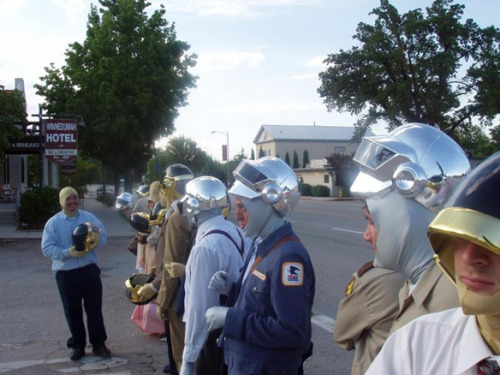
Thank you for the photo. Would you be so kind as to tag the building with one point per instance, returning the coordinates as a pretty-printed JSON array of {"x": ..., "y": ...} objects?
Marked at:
[{"x": 313, "y": 143}]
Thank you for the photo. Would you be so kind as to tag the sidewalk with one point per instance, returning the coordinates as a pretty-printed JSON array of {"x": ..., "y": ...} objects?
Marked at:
[{"x": 116, "y": 224}]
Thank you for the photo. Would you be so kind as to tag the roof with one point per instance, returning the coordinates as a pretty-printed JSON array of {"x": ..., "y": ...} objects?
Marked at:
[{"x": 308, "y": 133}]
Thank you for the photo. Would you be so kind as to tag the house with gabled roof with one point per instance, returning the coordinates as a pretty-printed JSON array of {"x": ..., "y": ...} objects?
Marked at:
[{"x": 318, "y": 141}]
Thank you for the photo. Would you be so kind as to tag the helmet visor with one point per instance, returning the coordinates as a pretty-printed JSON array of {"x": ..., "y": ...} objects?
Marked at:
[
  {"x": 241, "y": 190},
  {"x": 250, "y": 176},
  {"x": 380, "y": 156}
]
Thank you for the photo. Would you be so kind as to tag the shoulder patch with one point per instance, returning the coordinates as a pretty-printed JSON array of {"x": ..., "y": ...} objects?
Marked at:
[{"x": 292, "y": 274}]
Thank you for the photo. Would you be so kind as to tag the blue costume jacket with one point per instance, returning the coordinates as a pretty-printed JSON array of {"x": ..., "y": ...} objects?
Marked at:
[{"x": 269, "y": 328}]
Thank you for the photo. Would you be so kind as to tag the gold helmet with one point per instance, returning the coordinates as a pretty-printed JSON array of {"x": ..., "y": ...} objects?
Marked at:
[
  {"x": 86, "y": 236},
  {"x": 133, "y": 284}
]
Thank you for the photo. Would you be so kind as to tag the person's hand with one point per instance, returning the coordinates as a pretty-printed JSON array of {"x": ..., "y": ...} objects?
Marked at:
[
  {"x": 219, "y": 283},
  {"x": 174, "y": 269},
  {"x": 187, "y": 368},
  {"x": 146, "y": 292},
  {"x": 216, "y": 316},
  {"x": 77, "y": 254}
]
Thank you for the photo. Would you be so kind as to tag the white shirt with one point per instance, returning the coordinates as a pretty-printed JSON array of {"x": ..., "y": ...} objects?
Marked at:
[
  {"x": 210, "y": 254},
  {"x": 447, "y": 342}
]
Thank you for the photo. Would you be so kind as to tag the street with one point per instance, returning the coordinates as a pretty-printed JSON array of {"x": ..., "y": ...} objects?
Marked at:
[{"x": 34, "y": 330}]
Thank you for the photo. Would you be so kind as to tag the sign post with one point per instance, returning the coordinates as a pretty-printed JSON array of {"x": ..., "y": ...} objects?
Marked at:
[{"x": 61, "y": 140}]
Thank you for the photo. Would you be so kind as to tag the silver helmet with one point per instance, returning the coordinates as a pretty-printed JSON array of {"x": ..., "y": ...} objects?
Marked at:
[
  {"x": 269, "y": 178},
  {"x": 124, "y": 200},
  {"x": 418, "y": 161},
  {"x": 203, "y": 194}
]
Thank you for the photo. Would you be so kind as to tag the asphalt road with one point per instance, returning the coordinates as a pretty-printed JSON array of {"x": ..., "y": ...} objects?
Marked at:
[{"x": 33, "y": 330}]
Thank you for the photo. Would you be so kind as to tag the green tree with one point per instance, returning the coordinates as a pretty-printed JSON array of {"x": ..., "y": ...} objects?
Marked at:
[
  {"x": 128, "y": 79},
  {"x": 287, "y": 158},
  {"x": 341, "y": 164},
  {"x": 407, "y": 68},
  {"x": 252, "y": 155},
  {"x": 12, "y": 111},
  {"x": 295, "y": 160},
  {"x": 261, "y": 152},
  {"x": 305, "y": 159}
]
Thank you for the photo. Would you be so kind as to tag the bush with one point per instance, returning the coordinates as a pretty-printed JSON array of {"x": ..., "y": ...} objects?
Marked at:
[
  {"x": 306, "y": 190},
  {"x": 37, "y": 206},
  {"x": 321, "y": 191},
  {"x": 109, "y": 199}
]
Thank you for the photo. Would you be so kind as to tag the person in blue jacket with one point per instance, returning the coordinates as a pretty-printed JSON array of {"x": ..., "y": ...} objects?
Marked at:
[
  {"x": 77, "y": 274},
  {"x": 268, "y": 328}
]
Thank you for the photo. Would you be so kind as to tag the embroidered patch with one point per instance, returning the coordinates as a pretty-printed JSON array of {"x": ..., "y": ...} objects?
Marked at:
[
  {"x": 292, "y": 274},
  {"x": 260, "y": 275}
]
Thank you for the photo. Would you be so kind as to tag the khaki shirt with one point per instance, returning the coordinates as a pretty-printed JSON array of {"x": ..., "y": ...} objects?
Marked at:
[
  {"x": 365, "y": 316},
  {"x": 434, "y": 292},
  {"x": 175, "y": 244}
]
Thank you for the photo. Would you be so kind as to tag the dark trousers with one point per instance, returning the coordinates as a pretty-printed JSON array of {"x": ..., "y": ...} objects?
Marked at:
[
  {"x": 171, "y": 360},
  {"x": 82, "y": 284},
  {"x": 211, "y": 358}
]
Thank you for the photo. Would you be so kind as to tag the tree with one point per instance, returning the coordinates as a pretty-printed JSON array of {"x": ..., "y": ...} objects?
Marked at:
[
  {"x": 12, "y": 110},
  {"x": 287, "y": 158},
  {"x": 340, "y": 164},
  {"x": 407, "y": 69},
  {"x": 295, "y": 160},
  {"x": 305, "y": 159},
  {"x": 261, "y": 152},
  {"x": 128, "y": 79},
  {"x": 252, "y": 155}
]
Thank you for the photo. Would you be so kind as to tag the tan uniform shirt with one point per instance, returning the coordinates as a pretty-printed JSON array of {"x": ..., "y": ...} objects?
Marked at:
[
  {"x": 175, "y": 244},
  {"x": 365, "y": 316},
  {"x": 434, "y": 292}
]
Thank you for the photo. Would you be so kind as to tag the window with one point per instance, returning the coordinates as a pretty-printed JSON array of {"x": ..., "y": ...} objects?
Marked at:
[
  {"x": 339, "y": 149},
  {"x": 326, "y": 179}
]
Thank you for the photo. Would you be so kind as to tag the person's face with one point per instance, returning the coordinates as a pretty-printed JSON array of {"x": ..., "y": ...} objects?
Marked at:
[
  {"x": 241, "y": 214},
  {"x": 371, "y": 232},
  {"x": 476, "y": 267},
  {"x": 71, "y": 203}
]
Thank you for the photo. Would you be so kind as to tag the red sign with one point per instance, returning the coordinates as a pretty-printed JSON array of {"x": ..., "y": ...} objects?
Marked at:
[
  {"x": 61, "y": 140},
  {"x": 224, "y": 152}
]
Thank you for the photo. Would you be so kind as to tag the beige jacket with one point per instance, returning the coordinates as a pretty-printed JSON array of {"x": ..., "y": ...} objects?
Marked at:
[
  {"x": 365, "y": 316},
  {"x": 175, "y": 243},
  {"x": 434, "y": 292}
]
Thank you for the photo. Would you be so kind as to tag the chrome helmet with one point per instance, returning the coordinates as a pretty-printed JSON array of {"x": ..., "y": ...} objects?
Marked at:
[
  {"x": 268, "y": 178},
  {"x": 203, "y": 194},
  {"x": 86, "y": 236},
  {"x": 418, "y": 161},
  {"x": 143, "y": 191},
  {"x": 124, "y": 200}
]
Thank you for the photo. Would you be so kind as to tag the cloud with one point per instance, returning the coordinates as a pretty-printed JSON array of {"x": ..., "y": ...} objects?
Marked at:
[
  {"x": 297, "y": 77},
  {"x": 239, "y": 8},
  {"x": 8, "y": 7},
  {"x": 74, "y": 9},
  {"x": 316, "y": 61},
  {"x": 268, "y": 108},
  {"x": 227, "y": 60}
]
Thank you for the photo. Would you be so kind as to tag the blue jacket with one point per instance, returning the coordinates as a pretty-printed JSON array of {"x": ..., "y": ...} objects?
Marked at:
[{"x": 269, "y": 328}]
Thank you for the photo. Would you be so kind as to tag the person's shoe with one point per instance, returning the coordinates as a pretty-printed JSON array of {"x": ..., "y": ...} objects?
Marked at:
[
  {"x": 169, "y": 370},
  {"x": 77, "y": 353},
  {"x": 101, "y": 351}
]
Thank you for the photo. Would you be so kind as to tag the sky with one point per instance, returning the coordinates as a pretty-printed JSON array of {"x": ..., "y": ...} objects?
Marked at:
[{"x": 258, "y": 60}]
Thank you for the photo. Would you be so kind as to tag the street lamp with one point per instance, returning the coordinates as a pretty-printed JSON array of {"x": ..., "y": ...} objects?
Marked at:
[{"x": 227, "y": 152}]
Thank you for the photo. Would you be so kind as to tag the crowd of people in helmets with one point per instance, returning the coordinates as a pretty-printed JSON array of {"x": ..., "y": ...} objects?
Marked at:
[{"x": 237, "y": 298}]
